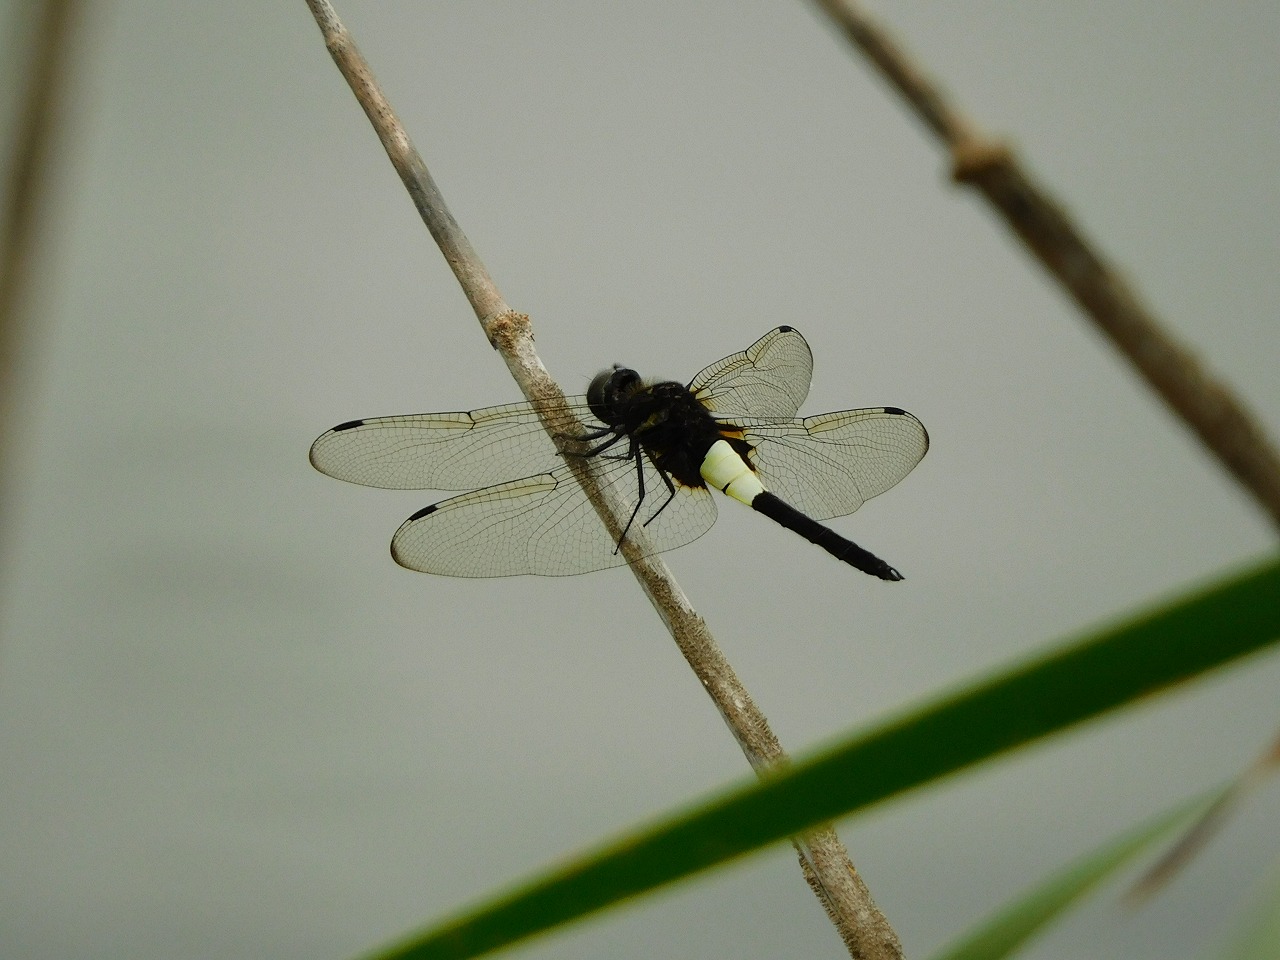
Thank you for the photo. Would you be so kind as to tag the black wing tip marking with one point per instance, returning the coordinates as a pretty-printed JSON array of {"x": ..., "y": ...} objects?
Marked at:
[
  {"x": 899, "y": 412},
  {"x": 786, "y": 329},
  {"x": 396, "y": 555},
  {"x": 314, "y": 452}
]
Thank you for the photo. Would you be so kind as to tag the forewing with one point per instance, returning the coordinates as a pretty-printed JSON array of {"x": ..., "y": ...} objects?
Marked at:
[
  {"x": 545, "y": 525},
  {"x": 829, "y": 465},
  {"x": 770, "y": 379},
  {"x": 440, "y": 451}
]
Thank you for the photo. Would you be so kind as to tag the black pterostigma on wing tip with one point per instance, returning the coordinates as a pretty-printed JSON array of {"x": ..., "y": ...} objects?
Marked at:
[
  {"x": 423, "y": 512},
  {"x": 347, "y": 426}
]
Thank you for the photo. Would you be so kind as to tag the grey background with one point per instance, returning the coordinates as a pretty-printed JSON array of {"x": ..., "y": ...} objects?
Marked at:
[{"x": 231, "y": 727}]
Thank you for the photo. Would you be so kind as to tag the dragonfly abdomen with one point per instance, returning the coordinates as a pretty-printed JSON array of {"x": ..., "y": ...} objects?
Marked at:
[
  {"x": 825, "y": 537},
  {"x": 724, "y": 468}
]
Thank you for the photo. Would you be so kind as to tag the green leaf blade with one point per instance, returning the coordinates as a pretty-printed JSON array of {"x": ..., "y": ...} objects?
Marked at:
[{"x": 1030, "y": 914}]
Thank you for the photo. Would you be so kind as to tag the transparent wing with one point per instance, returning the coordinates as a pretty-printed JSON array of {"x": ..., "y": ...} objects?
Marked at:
[
  {"x": 441, "y": 451},
  {"x": 829, "y": 465},
  {"x": 545, "y": 525},
  {"x": 770, "y": 379},
  {"x": 466, "y": 449}
]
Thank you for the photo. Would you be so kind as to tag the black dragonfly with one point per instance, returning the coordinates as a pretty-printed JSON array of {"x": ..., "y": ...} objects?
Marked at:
[{"x": 658, "y": 446}]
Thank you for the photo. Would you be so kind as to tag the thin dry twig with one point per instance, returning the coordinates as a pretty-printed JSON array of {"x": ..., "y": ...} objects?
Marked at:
[
  {"x": 29, "y": 186},
  {"x": 824, "y": 860},
  {"x": 1264, "y": 766},
  {"x": 1204, "y": 403}
]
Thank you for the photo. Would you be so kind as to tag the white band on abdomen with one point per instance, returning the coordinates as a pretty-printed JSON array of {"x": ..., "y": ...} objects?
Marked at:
[{"x": 725, "y": 470}]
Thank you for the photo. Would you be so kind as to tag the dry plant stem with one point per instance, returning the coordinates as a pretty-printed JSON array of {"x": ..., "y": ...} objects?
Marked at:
[
  {"x": 1207, "y": 406},
  {"x": 1211, "y": 821},
  {"x": 825, "y": 862},
  {"x": 29, "y": 185}
]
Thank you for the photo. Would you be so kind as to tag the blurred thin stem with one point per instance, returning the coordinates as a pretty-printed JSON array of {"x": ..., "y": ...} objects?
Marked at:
[
  {"x": 1207, "y": 405},
  {"x": 824, "y": 860},
  {"x": 27, "y": 198},
  {"x": 1264, "y": 766}
]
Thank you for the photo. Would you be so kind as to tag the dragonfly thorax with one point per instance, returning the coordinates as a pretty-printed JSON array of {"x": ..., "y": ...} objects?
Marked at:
[{"x": 663, "y": 417}]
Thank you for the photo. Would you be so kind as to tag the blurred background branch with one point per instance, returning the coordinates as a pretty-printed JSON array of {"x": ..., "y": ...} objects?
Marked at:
[
  {"x": 26, "y": 203},
  {"x": 1205, "y": 404}
]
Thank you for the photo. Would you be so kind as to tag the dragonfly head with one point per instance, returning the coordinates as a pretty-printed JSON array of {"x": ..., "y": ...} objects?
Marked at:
[{"x": 610, "y": 390}]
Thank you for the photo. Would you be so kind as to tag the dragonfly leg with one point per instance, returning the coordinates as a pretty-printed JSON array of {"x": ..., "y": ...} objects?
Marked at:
[
  {"x": 599, "y": 448},
  {"x": 671, "y": 494},
  {"x": 635, "y": 453},
  {"x": 592, "y": 434}
]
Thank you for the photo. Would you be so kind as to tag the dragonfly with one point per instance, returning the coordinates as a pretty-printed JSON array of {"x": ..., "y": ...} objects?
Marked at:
[{"x": 657, "y": 447}]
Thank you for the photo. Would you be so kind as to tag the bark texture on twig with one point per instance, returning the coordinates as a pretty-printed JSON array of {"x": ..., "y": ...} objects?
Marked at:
[
  {"x": 826, "y": 864},
  {"x": 1205, "y": 404}
]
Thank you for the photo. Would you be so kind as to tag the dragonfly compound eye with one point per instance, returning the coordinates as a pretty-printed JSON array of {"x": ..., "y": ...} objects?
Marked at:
[{"x": 608, "y": 389}]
